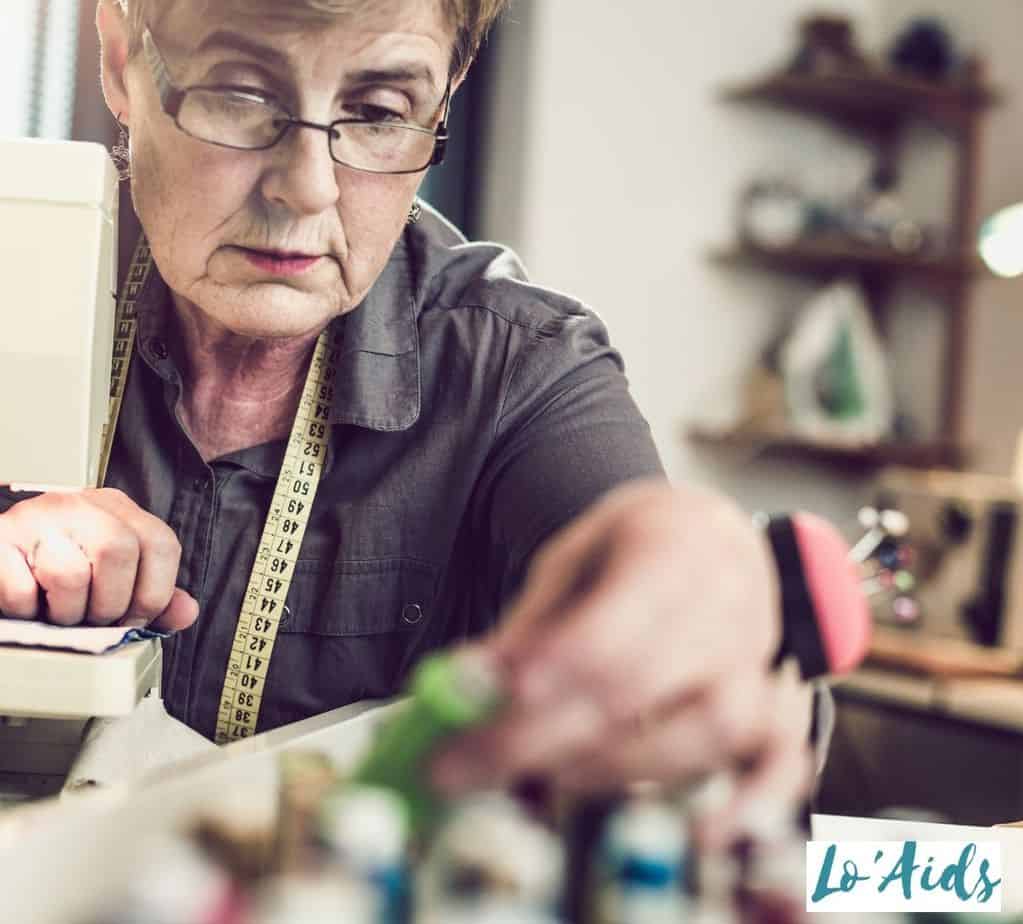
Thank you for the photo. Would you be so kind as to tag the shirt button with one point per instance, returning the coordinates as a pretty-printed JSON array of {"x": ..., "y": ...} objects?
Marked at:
[
  {"x": 412, "y": 614},
  {"x": 158, "y": 348},
  {"x": 199, "y": 483}
]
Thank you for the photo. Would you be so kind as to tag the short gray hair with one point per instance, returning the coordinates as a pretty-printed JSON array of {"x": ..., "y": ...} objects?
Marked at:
[{"x": 471, "y": 19}]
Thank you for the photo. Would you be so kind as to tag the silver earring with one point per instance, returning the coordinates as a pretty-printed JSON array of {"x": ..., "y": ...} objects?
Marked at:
[
  {"x": 414, "y": 213},
  {"x": 121, "y": 152}
]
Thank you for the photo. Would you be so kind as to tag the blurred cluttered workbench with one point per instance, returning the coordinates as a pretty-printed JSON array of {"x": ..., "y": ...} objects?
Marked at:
[{"x": 930, "y": 727}]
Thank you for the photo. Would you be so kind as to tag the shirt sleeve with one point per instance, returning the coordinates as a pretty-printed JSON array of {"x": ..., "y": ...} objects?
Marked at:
[{"x": 567, "y": 432}]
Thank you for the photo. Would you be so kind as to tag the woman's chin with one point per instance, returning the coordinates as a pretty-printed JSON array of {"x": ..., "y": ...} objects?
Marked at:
[{"x": 272, "y": 311}]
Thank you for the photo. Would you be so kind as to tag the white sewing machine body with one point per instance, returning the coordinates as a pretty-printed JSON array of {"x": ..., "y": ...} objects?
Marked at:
[
  {"x": 58, "y": 261},
  {"x": 46, "y": 701}
]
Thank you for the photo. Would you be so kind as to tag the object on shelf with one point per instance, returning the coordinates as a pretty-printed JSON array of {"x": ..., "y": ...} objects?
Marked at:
[
  {"x": 875, "y": 216},
  {"x": 828, "y": 47},
  {"x": 887, "y": 560},
  {"x": 872, "y": 215},
  {"x": 773, "y": 213},
  {"x": 967, "y": 549},
  {"x": 924, "y": 49},
  {"x": 764, "y": 401},
  {"x": 776, "y": 215},
  {"x": 835, "y": 371}
]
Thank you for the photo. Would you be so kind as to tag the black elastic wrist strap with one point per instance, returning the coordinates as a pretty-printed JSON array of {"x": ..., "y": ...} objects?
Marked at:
[{"x": 800, "y": 636}]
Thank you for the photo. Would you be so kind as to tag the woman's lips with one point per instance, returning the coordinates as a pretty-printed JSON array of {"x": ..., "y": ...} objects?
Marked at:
[{"x": 280, "y": 264}]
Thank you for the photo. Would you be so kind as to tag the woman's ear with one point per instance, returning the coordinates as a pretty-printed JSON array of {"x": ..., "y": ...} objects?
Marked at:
[{"x": 114, "y": 47}]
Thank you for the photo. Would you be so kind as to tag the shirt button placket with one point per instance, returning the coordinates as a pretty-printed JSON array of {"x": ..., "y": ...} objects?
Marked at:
[{"x": 195, "y": 513}]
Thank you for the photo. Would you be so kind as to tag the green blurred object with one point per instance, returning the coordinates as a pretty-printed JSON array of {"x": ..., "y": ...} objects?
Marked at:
[{"x": 448, "y": 694}]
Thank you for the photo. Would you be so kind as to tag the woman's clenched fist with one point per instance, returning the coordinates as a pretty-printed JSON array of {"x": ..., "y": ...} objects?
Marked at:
[{"x": 92, "y": 557}]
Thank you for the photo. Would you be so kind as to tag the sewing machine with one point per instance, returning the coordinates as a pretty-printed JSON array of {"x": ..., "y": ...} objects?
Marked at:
[
  {"x": 47, "y": 700},
  {"x": 58, "y": 221}
]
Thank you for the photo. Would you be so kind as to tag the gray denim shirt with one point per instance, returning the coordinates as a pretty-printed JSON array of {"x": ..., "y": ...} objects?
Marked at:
[{"x": 474, "y": 415}]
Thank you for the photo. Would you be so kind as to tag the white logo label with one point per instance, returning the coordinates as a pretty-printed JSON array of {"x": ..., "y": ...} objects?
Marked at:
[{"x": 855, "y": 876}]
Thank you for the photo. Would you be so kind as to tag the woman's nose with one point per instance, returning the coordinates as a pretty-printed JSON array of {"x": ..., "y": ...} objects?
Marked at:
[{"x": 302, "y": 174}]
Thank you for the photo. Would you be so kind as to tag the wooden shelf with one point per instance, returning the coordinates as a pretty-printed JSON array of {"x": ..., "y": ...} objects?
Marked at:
[
  {"x": 830, "y": 256},
  {"x": 869, "y": 98},
  {"x": 877, "y": 103},
  {"x": 848, "y": 455}
]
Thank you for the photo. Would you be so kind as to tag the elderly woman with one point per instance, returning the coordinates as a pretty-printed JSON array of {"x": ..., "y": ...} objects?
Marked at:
[{"x": 484, "y": 472}]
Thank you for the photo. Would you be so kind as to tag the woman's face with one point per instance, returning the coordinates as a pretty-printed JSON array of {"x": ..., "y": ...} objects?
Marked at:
[{"x": 209, "y": 211}]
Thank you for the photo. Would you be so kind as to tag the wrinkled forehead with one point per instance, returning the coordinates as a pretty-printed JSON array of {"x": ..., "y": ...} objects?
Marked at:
[{"x": 292, "y": 21}]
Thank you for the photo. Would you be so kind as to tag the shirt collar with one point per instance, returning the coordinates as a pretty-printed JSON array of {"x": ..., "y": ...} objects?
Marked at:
[{"x": 378, "y": 382}]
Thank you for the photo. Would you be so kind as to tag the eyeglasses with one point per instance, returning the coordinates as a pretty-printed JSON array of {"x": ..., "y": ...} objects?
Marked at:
[{"x": 239, "y": 118}]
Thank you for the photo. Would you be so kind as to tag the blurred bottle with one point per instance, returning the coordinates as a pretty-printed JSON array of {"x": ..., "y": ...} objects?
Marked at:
[
  {"x": 366, "y": 833},
  {"x": 491, "y": 855},
  {"x": 642, "y": 865}
]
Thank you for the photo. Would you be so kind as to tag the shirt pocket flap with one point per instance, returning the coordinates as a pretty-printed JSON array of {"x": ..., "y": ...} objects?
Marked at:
[{"x": 360, "y": 597}]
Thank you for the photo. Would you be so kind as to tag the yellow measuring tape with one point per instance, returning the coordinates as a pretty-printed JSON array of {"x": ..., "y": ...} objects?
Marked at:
[
  {"x": 125, "y": 324},
  {"x": 285, "y": 526}
]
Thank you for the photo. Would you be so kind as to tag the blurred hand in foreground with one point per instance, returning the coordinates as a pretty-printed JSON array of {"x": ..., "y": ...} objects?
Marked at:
[{"x": 640, "y": 649}]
